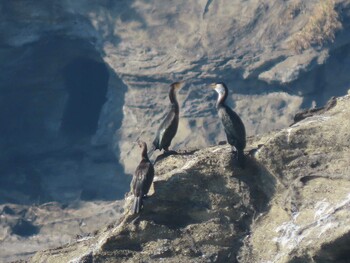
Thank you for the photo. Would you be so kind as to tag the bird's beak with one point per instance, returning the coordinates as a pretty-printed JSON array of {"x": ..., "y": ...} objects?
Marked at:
[
  {"x": 138, "y": 141},
  {"x": 179, "y": 85},
  {"x": 212, "y": 85}
]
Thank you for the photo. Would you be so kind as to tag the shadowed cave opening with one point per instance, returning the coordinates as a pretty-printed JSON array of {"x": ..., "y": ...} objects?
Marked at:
[
  {"x": 86, "y": 82},
  {"x": 50, "y": 120}
]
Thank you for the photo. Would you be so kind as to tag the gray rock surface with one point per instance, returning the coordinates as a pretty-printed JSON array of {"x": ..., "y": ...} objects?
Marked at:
[
  {"x": 25, "y": 230},
  {"x": 309, "y": 215},
  {"x": 147, "y": 45},
  {"x": 82, "y": 80},
  {"x": 291, "y": 203}
]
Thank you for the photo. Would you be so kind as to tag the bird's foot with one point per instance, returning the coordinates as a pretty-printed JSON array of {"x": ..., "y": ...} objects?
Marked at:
[
  {"x": 164, "y": 155},
  {"x": 169, "y": 152},
  {"x": 233, "y": 149},
  {"x": 234, "y": 154},
  {"x": 237, "y": 160}
]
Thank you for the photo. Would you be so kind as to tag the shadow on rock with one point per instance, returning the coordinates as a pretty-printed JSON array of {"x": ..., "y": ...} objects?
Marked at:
[{"x": 202, "y": 206}]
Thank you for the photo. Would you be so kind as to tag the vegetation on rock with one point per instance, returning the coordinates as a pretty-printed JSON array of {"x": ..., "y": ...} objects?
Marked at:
[{"x": 321, "y": 27}]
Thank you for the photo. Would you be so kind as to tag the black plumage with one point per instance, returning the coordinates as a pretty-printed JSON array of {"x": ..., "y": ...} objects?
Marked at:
[
  {"x": 142, "y": 179},
  {"x": 233, "y": 125},
  {"x": 168, "y": 128}
]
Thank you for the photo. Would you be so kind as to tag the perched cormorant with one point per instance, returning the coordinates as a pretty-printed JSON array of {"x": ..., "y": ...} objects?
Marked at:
[
  {"x": 168, "y": 128},
  {"x": 233, "y": 125},
  {"x": 142, "y": 179}
]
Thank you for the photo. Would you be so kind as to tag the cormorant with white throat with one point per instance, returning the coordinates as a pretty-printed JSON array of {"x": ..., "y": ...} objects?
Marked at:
[
  {"x": 142, "y": 179},
  {"x": 233, "y": 125},
  {"x": 168, "y": 127}
]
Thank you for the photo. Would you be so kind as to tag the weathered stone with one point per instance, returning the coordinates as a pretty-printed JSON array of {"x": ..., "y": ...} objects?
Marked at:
[
  {"x": 25, "y": 230},
  {"x": 290, "y": 204},
  {"x": 55, "y": 148},
  {"x": 310, "y": 210}
]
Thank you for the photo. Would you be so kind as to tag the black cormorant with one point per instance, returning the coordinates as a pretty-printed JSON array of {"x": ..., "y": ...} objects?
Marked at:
[
  {"x": 142, "y": 179},
  {"x": 233, "y": 125},
  {"x": 168, "y": 128}
]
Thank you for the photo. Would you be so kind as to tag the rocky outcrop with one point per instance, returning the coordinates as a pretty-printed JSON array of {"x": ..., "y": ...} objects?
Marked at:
[
  {"x": 308, "y": 217},
  {"x": 27, "y": 229},
  {"x": 199, "y": 209},
  {"x": 82, "y": 80},
  {"x": 291, "y": 203}
]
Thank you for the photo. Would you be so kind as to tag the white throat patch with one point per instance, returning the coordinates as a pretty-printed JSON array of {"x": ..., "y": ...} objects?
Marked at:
[{"x": 220, "y": 89}]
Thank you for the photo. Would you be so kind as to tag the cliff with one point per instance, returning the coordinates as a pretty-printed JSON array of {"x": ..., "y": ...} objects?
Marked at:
[
  {"x": 81, "y": 81},
  {"x": 291, "y": 203}
]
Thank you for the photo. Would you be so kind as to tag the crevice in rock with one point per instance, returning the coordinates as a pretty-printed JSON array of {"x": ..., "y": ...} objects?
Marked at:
[
  {"x": 86, "y": 82},
  {"x": 206, "y": 8},
  {"x": 24, "y": 228},
  {"x": 337, "y": 251}
]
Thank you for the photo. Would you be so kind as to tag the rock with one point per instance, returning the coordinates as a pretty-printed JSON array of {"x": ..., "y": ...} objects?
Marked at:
[
  {"x": 199, "y": 208},
  {"x": 81, "y": 81},
  {"x": 126, "y": 42},
  {"x": 309, "y": 214},
  {"x": 25, "y": 230},
  {"x": 311, "y": 112},
  {"x": 291, "y": 203},
  {"x": 291, "y": 68}
]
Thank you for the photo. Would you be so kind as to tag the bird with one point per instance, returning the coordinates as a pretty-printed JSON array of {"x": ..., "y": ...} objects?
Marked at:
[
  {"x": 233, "y": 125},
  {"x": 168, "y": 128},
  {"x": 142, "y": 179}
]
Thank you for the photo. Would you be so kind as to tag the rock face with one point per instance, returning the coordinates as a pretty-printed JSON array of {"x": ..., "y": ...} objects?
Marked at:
[
  {"x": 308, "y": 218},
  {"x": 25, "y": 230},
  {"x": 82, "y": 80},
  {"x": 141, "y": 48},
  {"x": 200, "y": 209},
  {"x": 291, "y": 203}
]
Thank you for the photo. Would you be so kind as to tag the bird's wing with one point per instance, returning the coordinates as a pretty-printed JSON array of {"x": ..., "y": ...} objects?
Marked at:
[
  {"x": 148, "y": 178},
  {"x": 164, "y": 125},
  {"x": 234, "y": 126},
  {"x": 140, "y": 178}
]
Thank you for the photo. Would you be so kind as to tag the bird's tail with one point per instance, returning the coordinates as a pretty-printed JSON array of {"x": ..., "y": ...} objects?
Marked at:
[
  {"x": 151, "y": 151},
  {"x": 241, "y": 159},
  {"x": 137, "y": 204}
]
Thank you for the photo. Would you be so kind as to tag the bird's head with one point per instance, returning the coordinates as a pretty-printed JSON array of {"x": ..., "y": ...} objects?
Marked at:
[
  {"x": 219, "y": 87},
  {"x": 177, "y": 85},
  {"x": 140, "y": 143}
]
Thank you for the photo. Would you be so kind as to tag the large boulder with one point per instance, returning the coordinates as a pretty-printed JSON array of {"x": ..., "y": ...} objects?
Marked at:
[{"x": 291, "y": 203}]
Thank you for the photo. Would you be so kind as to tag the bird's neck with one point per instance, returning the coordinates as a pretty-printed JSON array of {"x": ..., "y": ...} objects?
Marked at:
[
  {"x": 221, "y": 99},
  {"x": 172, "y": 97},
  {"x": 144, "y": 154}
]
